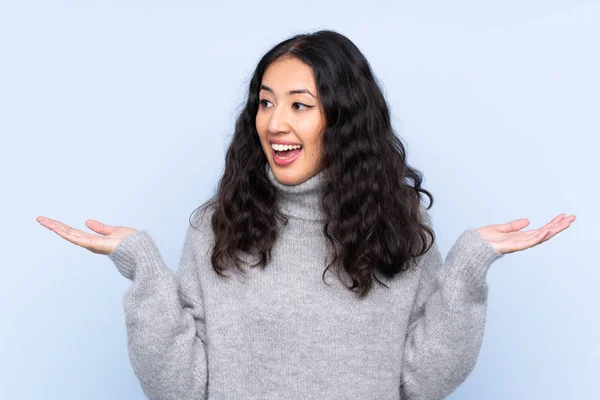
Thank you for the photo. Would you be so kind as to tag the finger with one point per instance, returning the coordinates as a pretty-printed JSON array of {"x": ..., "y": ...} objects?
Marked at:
[
  {"x": 83, "y": 241},
  {"x": 512, "y": 226},
  {"x": 532, "y": 240},
  {"x": 52, "y": 223},
  {"x": 532, "y": 233},
  {"x": 555, "y": 221},
  {"x": 560, "y": 222},
  {"x": 544, "y": 234},
  {"x": 535, "y": 232},
  {"x": 555, "y": 230},
  {"x": 99, "y": 227}
]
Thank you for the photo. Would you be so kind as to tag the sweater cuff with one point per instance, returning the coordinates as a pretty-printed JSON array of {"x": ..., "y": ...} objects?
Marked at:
[
  {"x": 471, "y": 257},
  {"x": 136, "y": 251}
]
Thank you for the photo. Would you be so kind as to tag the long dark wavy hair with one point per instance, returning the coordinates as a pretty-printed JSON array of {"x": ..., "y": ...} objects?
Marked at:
[{"x": 373, "y": 218}]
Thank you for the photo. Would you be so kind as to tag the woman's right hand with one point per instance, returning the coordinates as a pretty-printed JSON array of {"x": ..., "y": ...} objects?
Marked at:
[{"x": 105, "y": 243}]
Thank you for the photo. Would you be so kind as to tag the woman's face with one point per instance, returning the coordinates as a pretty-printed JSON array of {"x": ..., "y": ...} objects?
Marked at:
[{"x": 290, "y": 112}]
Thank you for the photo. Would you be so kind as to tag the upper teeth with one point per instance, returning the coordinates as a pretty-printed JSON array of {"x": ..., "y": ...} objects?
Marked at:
[{"x": 282, "y": 147}]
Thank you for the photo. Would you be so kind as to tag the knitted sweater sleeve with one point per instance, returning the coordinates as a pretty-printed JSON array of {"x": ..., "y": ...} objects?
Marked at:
[
  {"x": 164, "y": 319},
  {"x": 447, "y": 321}
]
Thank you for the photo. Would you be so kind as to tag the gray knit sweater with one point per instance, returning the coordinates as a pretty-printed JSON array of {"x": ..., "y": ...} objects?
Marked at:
[{"x": 281, "y": 333}]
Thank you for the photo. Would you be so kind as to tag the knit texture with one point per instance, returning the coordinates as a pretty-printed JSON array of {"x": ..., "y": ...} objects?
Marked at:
[{"x": 282, "y": 333}]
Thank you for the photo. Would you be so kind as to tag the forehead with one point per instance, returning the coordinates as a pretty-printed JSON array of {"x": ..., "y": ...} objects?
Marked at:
[{"x": 289, "y": 74}]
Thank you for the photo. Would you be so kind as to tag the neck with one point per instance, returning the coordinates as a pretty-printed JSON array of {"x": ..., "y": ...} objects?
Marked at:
[{"x": 302, "y": 200}]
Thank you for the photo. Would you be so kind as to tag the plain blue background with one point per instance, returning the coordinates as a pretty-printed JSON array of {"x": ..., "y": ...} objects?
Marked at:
[{"x": 122, "y": 111}]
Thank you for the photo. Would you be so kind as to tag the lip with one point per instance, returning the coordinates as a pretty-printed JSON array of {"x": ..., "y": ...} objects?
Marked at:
[
  {"x": 283, "y": 162},
  {"x": 277, "y": 141}
]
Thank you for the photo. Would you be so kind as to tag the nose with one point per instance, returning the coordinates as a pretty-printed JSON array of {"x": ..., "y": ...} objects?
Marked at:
[{"x": 278, "y": 121}]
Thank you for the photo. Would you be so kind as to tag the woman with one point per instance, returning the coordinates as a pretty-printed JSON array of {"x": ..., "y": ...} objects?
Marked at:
[{"x": 350, "y": 300}]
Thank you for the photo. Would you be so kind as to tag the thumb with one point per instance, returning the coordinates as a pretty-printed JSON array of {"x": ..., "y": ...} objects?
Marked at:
[
  {"x": 99, "y": 227},
  {"x": 513, "y": 226}
]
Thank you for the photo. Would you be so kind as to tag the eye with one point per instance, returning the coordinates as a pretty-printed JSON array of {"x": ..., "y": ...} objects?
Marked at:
[
  {"x": 263, "y": 102},
  {"x": 304, "y": 105}
]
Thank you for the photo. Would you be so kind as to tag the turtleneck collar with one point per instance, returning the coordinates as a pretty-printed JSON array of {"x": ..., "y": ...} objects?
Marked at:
[{"x": 302, "y": 200}]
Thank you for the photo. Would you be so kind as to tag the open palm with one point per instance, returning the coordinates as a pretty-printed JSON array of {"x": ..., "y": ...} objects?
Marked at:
[
  {"x": 104, "y": 243},
  {"x": 508, "y": 238}
]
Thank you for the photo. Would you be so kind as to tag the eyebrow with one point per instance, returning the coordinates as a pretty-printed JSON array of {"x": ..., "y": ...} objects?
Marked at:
[{"x": 268, "y": 89}]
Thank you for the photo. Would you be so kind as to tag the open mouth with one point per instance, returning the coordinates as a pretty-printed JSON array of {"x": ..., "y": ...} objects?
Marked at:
[{"x": 286, "y": 157}]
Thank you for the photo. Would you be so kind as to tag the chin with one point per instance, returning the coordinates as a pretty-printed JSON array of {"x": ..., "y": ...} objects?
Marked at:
[
  {"x": 287, "y": 179},
  {"x": 289, "y": 176}
]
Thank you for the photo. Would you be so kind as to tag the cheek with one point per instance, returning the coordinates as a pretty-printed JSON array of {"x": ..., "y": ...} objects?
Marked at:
[
  {"x": 312, "y": 133},
  {"x": 316, "y": 143},
  {"x": 260, "y": 121},
  {"x": 314, "y": 149}
]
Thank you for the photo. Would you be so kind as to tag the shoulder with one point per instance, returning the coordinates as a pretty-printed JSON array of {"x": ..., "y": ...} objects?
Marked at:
[
  {"x": 202, "y": 215},
  {"x": 432, "y": 254},
  {"x": 200, "y": 224},
  {"x": 425, "y": 215}
]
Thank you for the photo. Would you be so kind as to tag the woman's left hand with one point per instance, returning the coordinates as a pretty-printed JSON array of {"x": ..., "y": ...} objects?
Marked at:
[{"x": 506, "y": 238}]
